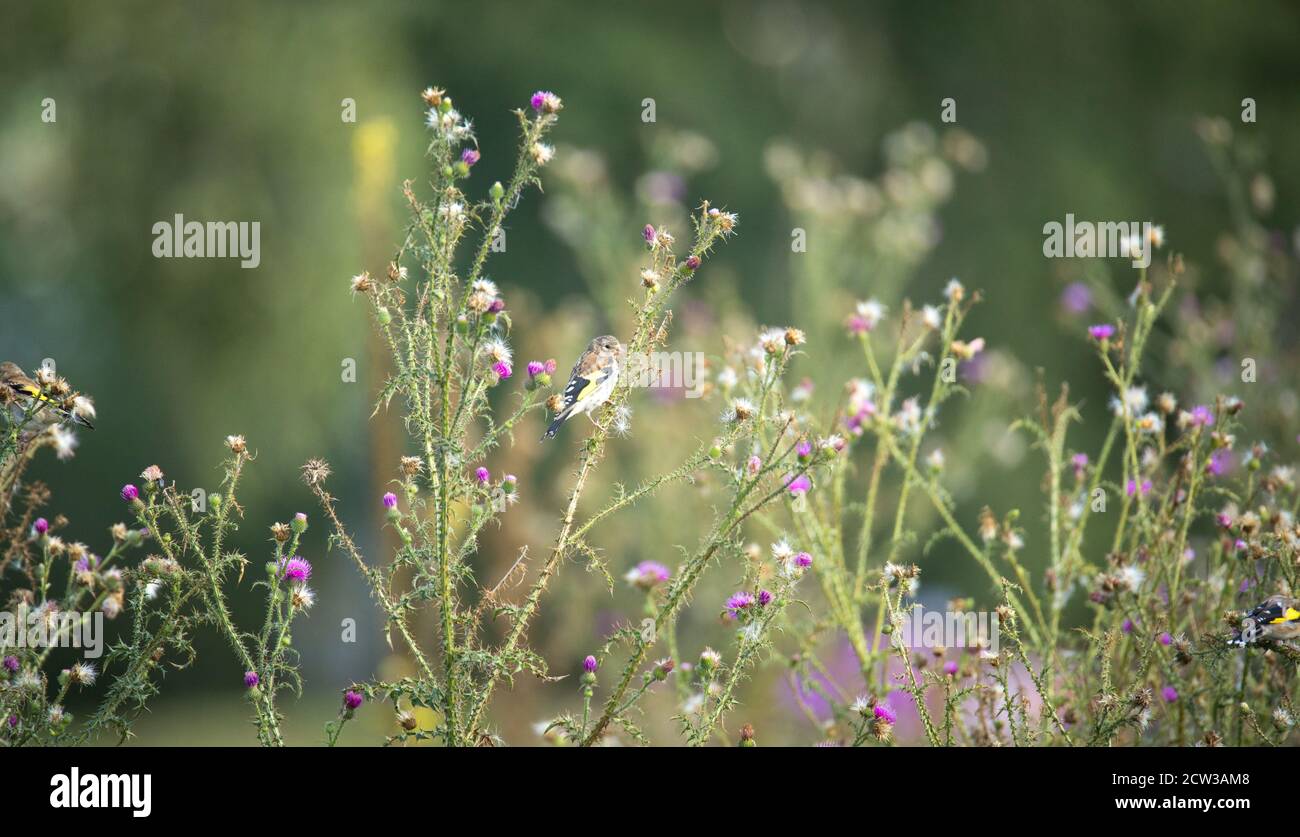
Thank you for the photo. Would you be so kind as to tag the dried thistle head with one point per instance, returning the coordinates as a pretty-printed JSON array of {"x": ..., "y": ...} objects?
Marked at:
[{"x": 315, "y": 472}]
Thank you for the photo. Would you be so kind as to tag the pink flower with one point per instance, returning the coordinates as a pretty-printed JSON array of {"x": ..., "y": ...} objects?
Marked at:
[
  {"x": 739, "y": 601},
  {"x": 1202, "y": 416},
  {"x": 648, "y": 574},
  {"x": 295, "y": 569},
  {"x": 502, "y": 369},
  {"x": 482, "y": 474},
  {"x": 1105, "y": 331},
  {"x": 799, "y": 485}
]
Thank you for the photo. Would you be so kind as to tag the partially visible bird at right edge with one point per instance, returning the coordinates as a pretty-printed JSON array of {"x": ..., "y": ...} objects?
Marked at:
[
  {"x": 54, "y": 402},
  {"x": 1276, "y": 619},
  {"x": 590, "y": 384}
]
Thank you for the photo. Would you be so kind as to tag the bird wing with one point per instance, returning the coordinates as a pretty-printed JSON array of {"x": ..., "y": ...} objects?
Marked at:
[
  {"x": 30, "y": 389},
  {"x": 580, "y": 387},
  {"x": 575, "y": 389},
  {"x": 1288, "y": 615},
  {"x": 1273, "y": 612}
]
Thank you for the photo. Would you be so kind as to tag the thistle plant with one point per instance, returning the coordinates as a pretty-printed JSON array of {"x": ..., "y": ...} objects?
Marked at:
[{"x": 448, "y": 338}]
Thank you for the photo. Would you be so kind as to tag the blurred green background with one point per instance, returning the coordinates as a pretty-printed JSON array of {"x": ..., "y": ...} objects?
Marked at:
[{"x": 232, "y": 112}]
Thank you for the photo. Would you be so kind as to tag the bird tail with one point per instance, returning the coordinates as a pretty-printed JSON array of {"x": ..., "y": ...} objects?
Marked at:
[
  {"x": 555, "y": 425},
  {"x": 78, "y": 418}
]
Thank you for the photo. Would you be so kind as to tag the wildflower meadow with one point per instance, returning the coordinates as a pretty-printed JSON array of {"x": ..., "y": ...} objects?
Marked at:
[{"x": 816, "y": 492}]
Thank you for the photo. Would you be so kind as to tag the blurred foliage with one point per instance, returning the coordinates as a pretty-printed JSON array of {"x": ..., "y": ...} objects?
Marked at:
[{"x": 232, "y": 113}]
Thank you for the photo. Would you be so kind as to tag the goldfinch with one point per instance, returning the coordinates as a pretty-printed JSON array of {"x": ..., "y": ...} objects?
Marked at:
[
  {"x": 590, "y": 384},
  {"x": 58, "y": 403},
  {"x": 1276, "y": 619}
]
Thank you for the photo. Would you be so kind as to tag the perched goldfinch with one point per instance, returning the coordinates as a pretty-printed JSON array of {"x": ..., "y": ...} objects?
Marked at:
[
  {"x": 19, "y": 393},
  {"x": 1276, "y": 619},
  {"x": 590, "y": 384}
]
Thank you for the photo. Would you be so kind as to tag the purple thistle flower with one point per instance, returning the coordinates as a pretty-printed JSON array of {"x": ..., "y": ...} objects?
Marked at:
[
  {"x": 13, "y": 721},
  {"x": 11, "y": 663},
  {"x": 1076, "y": 298},
  {"x": 1169, "y": 693},
  {"x": 648, "y": 234},
  {"x": 496, "y": 306},
  {"x": 352, "y": 699},
  {"x": 251, "y": 679},
  {"x": 589, "y": 664},
  {"x": 1105, "y": 331},
  {"x": 693, "y": 263},
  {"x": 41, "y": 526},
  {"x": 803, "y": 560},
  {"x": 1239, "y": 545},
  {"x": 1166, "y": 639},
  {"x": 502, "y": 369},
  {"x": 1202, "y": 416},
  {"x": 884, "y": 713},
  {"x": 535, "y": 368},
  {"x": 470, "y": 156},
  {"x": 1132, "y": 487},
  {"x": 754, "y": 465},
  {"x": 482, "y": 474},
  {"x": 538, "y": 99},
  {"x": 130, "y": 492},
  {"x": 1127, "y": 626},
  {"x": 739, "y": 601},
  {"x": 296, "y": 569},
  {"x": 950, "y": 668},
  {"x": 803, "y": 450},
  {"x": 551, "y": 366},
  {"x": 390, "y": 500},
  {"x": 764, "y": 598},
  {"x": 1219, "y": 463},
  {"x": 798, "y": 485},
  {"x": 649, "y": 574}
]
